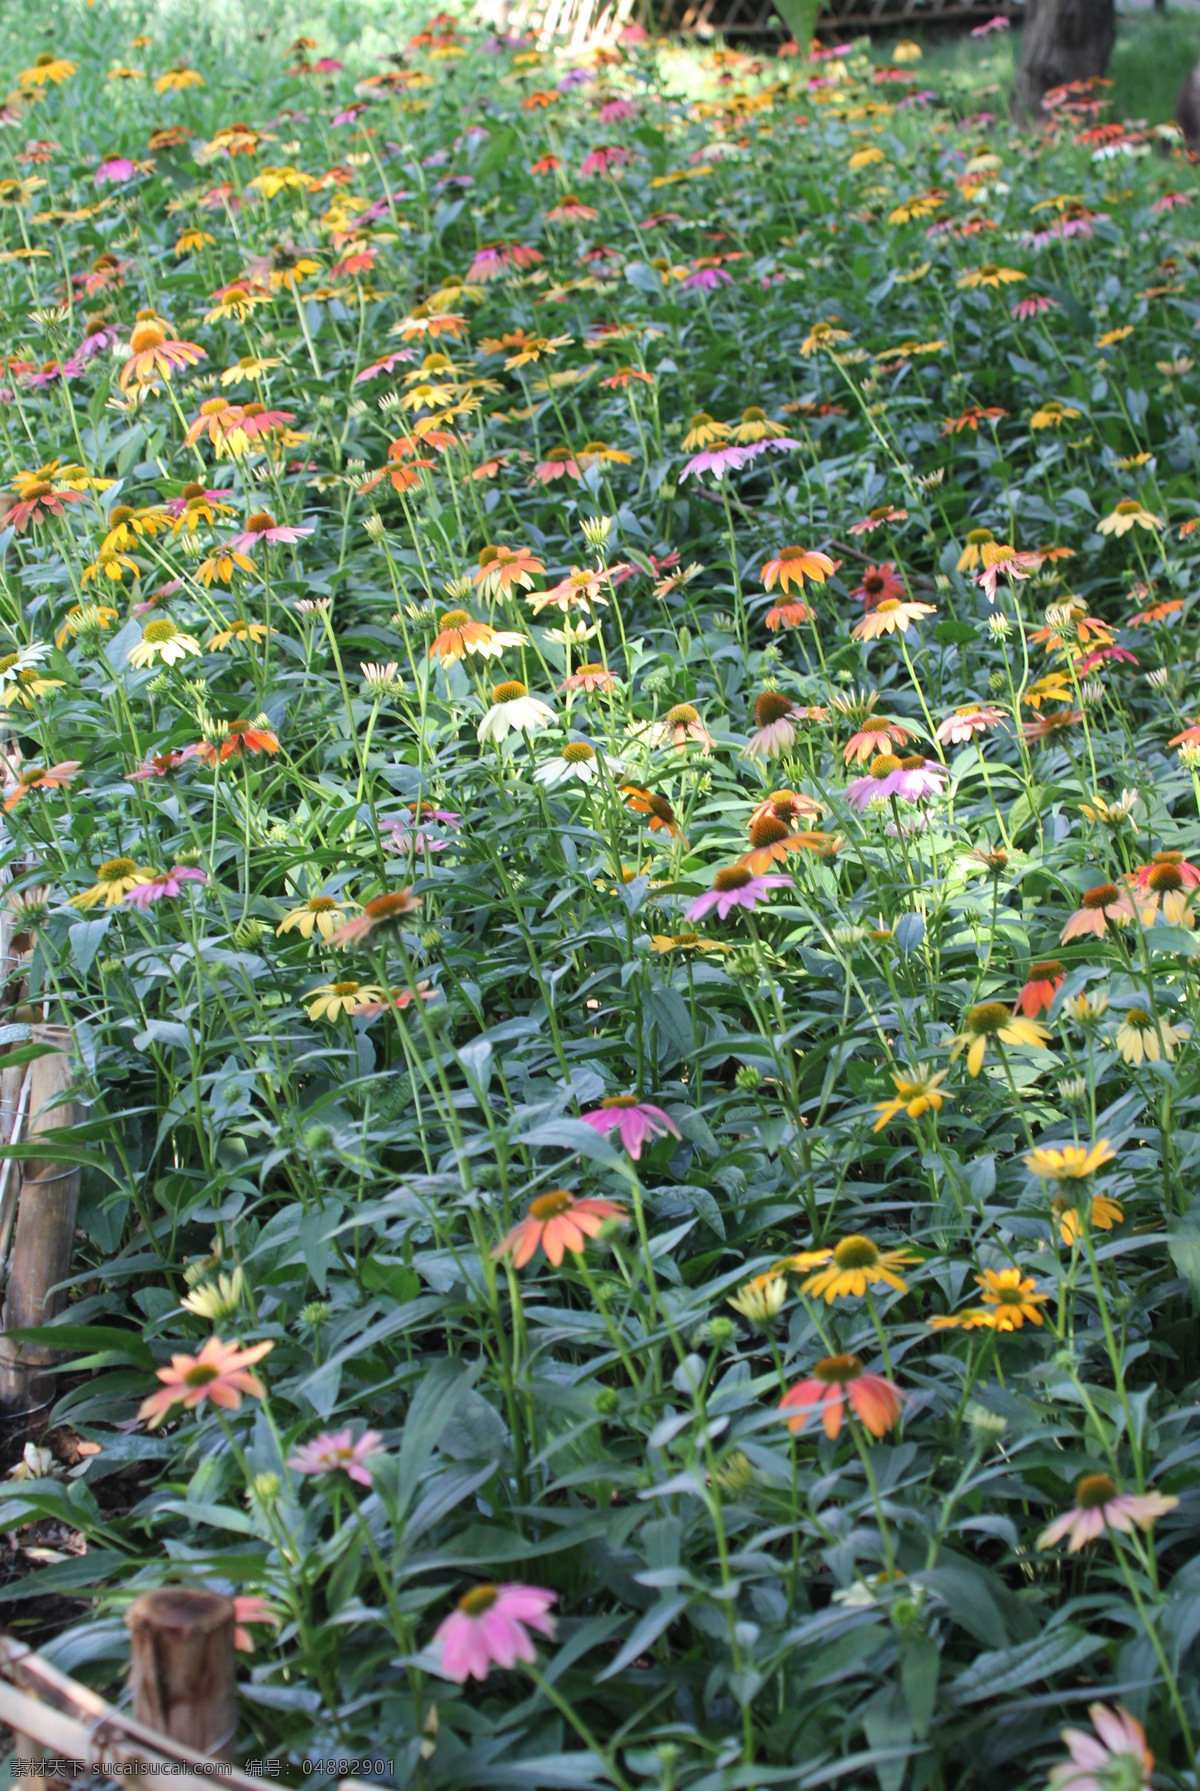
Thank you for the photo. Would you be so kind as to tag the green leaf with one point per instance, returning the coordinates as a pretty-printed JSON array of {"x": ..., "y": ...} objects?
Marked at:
[
  {"x": 800, "y": 17},
  {"x": 107, "y": 1338},
  {"x": 645, "y": 1633},
  {"x": 1000, "y": 1670}
]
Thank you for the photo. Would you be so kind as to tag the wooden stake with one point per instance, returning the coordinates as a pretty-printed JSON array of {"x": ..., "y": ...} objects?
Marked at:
[
  {"x": 182, "y": 1667},
  {"x": 45, "y": 1232}
]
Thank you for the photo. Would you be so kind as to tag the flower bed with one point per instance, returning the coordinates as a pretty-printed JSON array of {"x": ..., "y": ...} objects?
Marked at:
[{"x": 601, "y": 759}]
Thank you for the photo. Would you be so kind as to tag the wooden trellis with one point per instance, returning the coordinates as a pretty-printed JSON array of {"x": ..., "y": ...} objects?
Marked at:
[{"x": 838, "y": 18}]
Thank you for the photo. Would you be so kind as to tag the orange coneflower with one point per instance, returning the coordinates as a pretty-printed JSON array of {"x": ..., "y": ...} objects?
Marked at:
[
  {"x": 888, "y": 616},
  {"x": 459, "y": 634},
  {"x": 649, "y": 802},
  {"x": 876, "y": 734},
  {"x": 875, "y": 1402},
  {"x": 154, "y": 354},
  {"x": 789, "y": 806},
  {"x": 792, "y": 565},
  {"x": 558, "y": 1221},
  {"x": 37, "y": 777},
  {"x": 240, "y": 737},
  {"x": 219, "y": 1372},
  {"x": 383, "y": 913},
  {"x": 772, "y": 839}
]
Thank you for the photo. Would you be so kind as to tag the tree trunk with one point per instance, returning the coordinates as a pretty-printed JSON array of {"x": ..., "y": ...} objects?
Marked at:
[{"x": 1064, "y": 40}]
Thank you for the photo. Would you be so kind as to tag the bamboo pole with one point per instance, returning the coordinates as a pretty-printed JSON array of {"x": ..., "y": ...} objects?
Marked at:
[
  {"x": 58, "y": 1716},
  {"x": 182, "y": 1666},
  {"x": 45, "y": 1232}
]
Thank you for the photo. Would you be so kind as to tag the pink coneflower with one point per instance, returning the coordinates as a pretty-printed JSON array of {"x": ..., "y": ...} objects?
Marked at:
[
  {"x": 599, "y": 161},
  {"x": 967, "y": 721},
  {"x": 165, "y": 884},
  {"x": 1027, "y": 308},
  {"x": 726, "y": 457},
  {"x": 385, "y": 365},
  {"x": 878, "y": 584},
  {"x": 1115, "y": 1756},
  {"x": 617, "y": 111},
  {"x": 774, "y": 732},
  {"x": 878, "y": 518},
  {"x": 249, "y": 1608},
  {"x": 1003, "y": 558},
  {"x": 1098, "y": 1507},
  {"x": 1169, "y": 201},
  {"x": 262, "y": 526},
  {"x": 98, "y": 338},
  {"x": 589, "y": 678},
  {"x": 491, "y": 1627},
  {"x": 875, "y": 1402},
  {"x": 999, "y": 23},
  {"x": 735, "y": 887},
  {"x": 910, "y": 779},
  {"x": 162, "y": 764},
  {"x": 706, "y": 279},
  {"x": 1097, "y": 907},
  {"x": 1118, "y": 654},
  {"x": 637, "y": 1121},
  {"x": 48, "y": 374},
  {"x": 115, "y": 170},
  {"x": 196, "y": 494},
  {"x": 771, "y": 444},
  {"x": 335, "y": 1451}
]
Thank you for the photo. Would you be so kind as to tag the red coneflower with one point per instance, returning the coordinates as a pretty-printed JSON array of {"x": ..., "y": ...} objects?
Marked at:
[
  {"x": 878, "y": 584},
  {"x": 1043, "y": 983}
]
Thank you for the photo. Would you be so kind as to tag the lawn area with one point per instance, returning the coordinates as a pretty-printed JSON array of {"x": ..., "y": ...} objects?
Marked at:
[{"x": 601, "y": 786}]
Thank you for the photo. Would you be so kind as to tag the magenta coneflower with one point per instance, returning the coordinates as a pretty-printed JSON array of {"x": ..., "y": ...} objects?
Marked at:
[
  {"x": 491, "y": 1627},
  {"x": 165, "y": 884},
  {"x": 335, "y": 1451},
  {"x": 735, "y": 887},
  {"x": 910, "y": 779},
  {"x": 637, "y": 1121}
]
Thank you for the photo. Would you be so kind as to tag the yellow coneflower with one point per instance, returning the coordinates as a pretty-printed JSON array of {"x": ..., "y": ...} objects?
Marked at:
[
  {"x": 114, "y": 879},
  {"x": 761, "y": 1299},
  {"x": 323, "y": 912},
  {"x": 849, "y": 1268},
  {"x": 994, "y": 1020}
]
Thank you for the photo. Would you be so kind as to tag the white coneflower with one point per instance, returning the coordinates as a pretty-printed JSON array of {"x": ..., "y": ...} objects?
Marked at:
[
  {"x": 215, "y": 1300},
  {"x": 513, "y": 710},
  {"x": 1158, "y": 678},
  {"x": 381, "y": 680},
  {"x": 577, "y": 761},
  {"x": 595, "y": 531}
]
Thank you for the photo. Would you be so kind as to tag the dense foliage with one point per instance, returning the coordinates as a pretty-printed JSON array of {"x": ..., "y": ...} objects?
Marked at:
[{"x": 602, "y": 761}]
